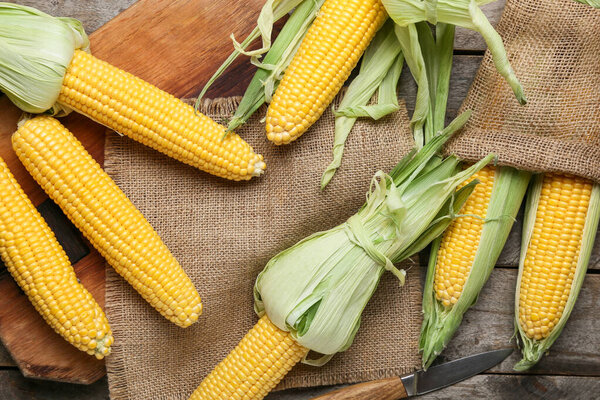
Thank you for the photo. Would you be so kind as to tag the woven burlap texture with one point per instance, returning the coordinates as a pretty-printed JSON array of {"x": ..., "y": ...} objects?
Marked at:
[
  {"x": 223, "y": 233},
  {"x": 554, "y": 48}
]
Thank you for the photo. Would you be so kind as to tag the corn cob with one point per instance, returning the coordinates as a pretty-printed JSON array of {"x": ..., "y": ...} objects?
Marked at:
[
  {"x": 99, "y": 209},
  {"x": 463, "y": 258},
  {"x": 328, "y": 53},
  {"x": 148, "y": 115},
  {"x": 560, "y": 226},
  {"x": 40, "y": 266},
  {"x": 262, "y": 358}
]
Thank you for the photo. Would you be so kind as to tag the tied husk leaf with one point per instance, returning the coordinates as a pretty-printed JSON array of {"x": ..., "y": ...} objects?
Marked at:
[
  {"x": 35, "y": 51},
  {"x": 271, "y": 69},
  {"x": 440, "y": 323},
  {"x": 318, "y": 288},
  {"x": 379, "y": 71},
  {"x": 464, "y": 13},
  {"x": 272, "y": 11},
  {"x": 532, "y": 349}
]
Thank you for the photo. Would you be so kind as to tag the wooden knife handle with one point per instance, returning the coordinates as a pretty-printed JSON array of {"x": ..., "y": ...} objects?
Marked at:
[{"x": 382, "y": 389}]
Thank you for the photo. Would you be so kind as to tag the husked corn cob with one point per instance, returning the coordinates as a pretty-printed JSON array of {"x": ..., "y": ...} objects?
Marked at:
[
  {"x": 40, "y": 266},
  {"x": 463, "y": 258},
  {"x": 148, "y": 115},
  {"x": 262, "y": 358},
  {"x": 328, "y": 53},
  {"x": 461, "y": 239},
  {"x": 551, "y": 258},
  {"x": 560, "y": 225},
  {"x": 99, "y": 209}
]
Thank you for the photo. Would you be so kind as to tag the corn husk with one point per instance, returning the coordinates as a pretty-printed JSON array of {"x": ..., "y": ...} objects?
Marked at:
[
  {"x": 271, "y": 69},
  {"x": 464, "y": 13},
  {"x": 35, "y": 51},
  {"x": 429, "y": 59},
  {"x": 318, "y": 288},
  {"x": 593, "y": 3},
  {"x": 272, "y": 11},
  {"x": 379, "y": 71},
  {"x": 532, "y": 349},
  {"x": 440, "y": 323}
]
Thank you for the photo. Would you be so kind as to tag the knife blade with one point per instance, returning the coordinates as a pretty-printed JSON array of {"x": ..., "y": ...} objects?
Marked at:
[{"x": 420, "y": 382}]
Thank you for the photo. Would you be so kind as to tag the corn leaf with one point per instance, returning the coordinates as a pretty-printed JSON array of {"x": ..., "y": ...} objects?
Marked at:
[
  {"x": 532, "y": 349},
  {"x": 272, "y": 11},
  {"x": 464, "y": 13},
  {"x": 271, "y": 69},
  {"x": 380, "y": 70}
]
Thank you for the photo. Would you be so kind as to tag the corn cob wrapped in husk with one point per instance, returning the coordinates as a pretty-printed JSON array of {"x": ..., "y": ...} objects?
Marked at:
[
  {"x": 561, "y": 220},
  {"x": 313, "y": 293},
  {"x": 463, "y": 257}
]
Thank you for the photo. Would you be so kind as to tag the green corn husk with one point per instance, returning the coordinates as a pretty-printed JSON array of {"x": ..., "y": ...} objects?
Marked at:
[
  {"x": 271, "y": 69},
  {"x": 430, "y": 62},
  {"x": 532, "y": 349},
  {"x": 379, "y": 71},
  {"x": 593, "y": 3},
  {"x": 283, "y": 50},
  {"x": 318, "y": 288},
  {"x": 35, "y": 51},
  {"x": 464, "y": 13},
  {"x": 439, "y": 322}
]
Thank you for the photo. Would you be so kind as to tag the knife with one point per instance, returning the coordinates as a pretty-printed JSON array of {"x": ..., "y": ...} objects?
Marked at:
[{"x": 421, "y": 381}]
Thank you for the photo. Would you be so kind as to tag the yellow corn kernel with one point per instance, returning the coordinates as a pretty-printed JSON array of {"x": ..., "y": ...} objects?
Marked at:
[
  {"x": 330, "y": 50},
  {"x": 150, "y": 116},
  {"x": 106, "y": 217},
  {"x": 40, "y": 266},
  {"x": 263, "y": 357},
  {"x": 553, "y": 252},
  {"x": 461, "y": 240}
]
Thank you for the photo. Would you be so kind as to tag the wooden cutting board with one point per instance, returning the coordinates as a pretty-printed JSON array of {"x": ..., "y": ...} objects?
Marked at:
[{"x": 175, "y": 45}]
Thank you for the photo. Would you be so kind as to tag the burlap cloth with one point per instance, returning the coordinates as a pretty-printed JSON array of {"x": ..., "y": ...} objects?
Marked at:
[
  {"x": 554, "y": 48},
  {"x": 224, "y": 232}
]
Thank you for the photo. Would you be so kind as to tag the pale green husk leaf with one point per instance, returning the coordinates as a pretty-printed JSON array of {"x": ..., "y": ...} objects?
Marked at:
[
  {"x": 464, "y": 13},
  {"x": 318, "y": 288},
  {"x": 440, "y": 323},
  {"x": 593, "y": 3},
  {"x": 379, "y": 71},
  {"x": 532, "y": 349},
  {"x": 35, "y": 51}
]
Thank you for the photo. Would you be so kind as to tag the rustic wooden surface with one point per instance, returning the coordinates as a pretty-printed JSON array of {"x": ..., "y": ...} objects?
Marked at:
[{"x": 571, "y": 370}]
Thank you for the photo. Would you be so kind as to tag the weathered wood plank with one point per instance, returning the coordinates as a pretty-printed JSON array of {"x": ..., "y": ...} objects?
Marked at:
[
  {"x": 14, "y": 386},
  {"x": 93, "y": 14},
  {"x": 489, "y": 325},
  {"x": 491, "y": 386}
]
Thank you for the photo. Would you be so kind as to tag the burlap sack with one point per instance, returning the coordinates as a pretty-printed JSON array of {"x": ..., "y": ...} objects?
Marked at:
[
  {"x": 554, "y": 48},
  {"x": 224, "y": 232}
]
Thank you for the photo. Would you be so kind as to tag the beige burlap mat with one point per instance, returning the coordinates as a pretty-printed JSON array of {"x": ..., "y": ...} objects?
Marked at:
[
  {"x": 554, "y": 47},
  {"x": 224, "y": 232}
]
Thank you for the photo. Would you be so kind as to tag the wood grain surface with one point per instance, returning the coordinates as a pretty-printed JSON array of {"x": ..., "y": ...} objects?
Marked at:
[{"x": 571, "y": 369}]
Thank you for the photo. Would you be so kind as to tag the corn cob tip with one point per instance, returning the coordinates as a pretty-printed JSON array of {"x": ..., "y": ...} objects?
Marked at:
[
  {"x": 101, "y": 347},
  {"x": 259, "y": 166}
]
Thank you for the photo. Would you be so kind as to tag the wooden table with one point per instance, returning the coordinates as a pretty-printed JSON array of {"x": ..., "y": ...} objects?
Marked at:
[{"x": 571, "y": 370}]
